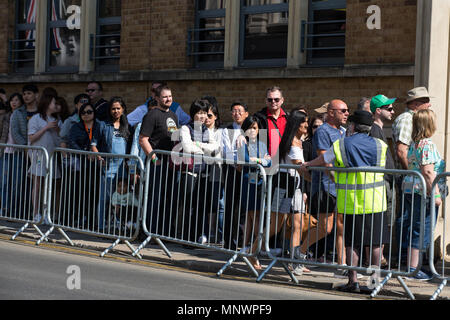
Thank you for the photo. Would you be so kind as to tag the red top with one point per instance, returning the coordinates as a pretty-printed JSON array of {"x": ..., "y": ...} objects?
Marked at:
[{"x": 275, "y": 131}]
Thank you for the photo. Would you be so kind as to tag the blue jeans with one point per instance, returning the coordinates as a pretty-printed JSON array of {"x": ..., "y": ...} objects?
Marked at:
[
  {"x": 12, "y": 183},
  {"x": 411, "y": 219}
]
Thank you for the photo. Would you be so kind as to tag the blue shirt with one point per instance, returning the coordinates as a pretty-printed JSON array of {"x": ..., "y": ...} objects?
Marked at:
[
  {"x": 323, "y": 140},
  {"x": 361, "y": 150}
]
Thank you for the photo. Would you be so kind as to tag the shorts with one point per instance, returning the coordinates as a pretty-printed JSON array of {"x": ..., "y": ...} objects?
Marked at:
[
  {"x": 322, "y": 202},
  {"x": 362, "y": 229}
]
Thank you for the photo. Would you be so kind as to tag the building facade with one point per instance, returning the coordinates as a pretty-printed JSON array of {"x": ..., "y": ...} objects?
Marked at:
[{"x": 316, "y": 50}]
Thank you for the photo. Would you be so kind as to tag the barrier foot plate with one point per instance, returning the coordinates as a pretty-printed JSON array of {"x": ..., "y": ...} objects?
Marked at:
[
  {"x": 380, "y": 286},
  {"x": 229, "y": 263},
  {"x": 141, "y": 246},
  {"x": 44, "y": 236},
  {"x": 439, "y": 290},
  {"x": 20, "y": 231},
  {"x": 110, "y": 248},
  {"x": 405, "y": 287},
  {"x": 269, "y": 267}
]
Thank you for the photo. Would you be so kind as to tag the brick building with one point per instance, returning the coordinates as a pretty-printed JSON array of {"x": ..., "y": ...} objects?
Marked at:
[
  {"x": 227, "y": 48},
  {"x": 315, "y": 50}
]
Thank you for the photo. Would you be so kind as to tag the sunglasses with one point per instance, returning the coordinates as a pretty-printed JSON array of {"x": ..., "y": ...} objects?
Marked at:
[
  {"x": 270, "y": 100},
  {"x": 390, "y": 109},
  {"x": 90, "y": 90},
  {"x": 342, "y": 110},
  {"x": 210, "y": 115},
  {"x": 84, "y": 101},
  {"x": 315, "y": 126},
  {"x": 89, "y": 112}
]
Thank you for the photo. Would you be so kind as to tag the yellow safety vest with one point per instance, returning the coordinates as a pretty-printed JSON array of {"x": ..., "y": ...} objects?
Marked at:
[{"x": 360, "y": 192}]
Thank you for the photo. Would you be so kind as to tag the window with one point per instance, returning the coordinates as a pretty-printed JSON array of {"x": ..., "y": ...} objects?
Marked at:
[
  {"x": 263, "y": 32},
  {"x": 63, "y": 39},
  {"x": 206, "y": 41},
  {"x": 105, "y": 44},
  {"x": 22, "y": 48},
  {"x": 325, "y": 32}
]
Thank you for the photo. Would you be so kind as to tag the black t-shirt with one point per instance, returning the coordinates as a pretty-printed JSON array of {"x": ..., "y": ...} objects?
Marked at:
[
  {"x": 159, "y": 125},
  {"x": 102, "y": 110},
  {"x": 377, "y": 132}
]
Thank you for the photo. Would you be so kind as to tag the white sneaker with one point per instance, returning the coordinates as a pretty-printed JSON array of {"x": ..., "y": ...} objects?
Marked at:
[
  {"x": 297, "y": 269},
  {"x": 202, "y": 240}
]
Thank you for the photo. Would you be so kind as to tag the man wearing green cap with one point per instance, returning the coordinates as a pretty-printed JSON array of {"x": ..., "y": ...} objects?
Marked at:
[{"x": 383, "y": 111}]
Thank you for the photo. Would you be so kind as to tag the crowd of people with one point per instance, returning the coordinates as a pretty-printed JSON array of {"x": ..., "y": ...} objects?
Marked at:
[{"x": 230, "y": 190}]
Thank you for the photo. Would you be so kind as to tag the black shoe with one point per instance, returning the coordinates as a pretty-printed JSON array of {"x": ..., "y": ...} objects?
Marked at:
[{"x": 350, "y": 287}]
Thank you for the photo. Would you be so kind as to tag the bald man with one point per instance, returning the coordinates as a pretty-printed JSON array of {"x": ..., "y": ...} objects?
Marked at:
[{"x": 323, "y": 191}]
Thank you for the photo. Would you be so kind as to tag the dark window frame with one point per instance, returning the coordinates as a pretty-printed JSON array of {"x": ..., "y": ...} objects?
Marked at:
[
  {"x": 53, "y": 25},
  {"x": 194, "y": 41},
  {"x": 94, "y": 49},
  {"x": 21, "y": 27},
  {"x": 252, "y": 10},
  {"x": 307, "y": 35}
]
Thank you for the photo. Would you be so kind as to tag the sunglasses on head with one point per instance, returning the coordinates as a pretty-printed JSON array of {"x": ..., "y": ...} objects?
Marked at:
[
  {"x": 84, "y": 101},
  {"x": 270, "y": 100},
  {"x": 89, "y": 112}
]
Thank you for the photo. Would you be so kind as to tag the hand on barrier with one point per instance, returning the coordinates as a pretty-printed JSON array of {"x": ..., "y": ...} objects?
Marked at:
[{"x": 240, "y": 141}]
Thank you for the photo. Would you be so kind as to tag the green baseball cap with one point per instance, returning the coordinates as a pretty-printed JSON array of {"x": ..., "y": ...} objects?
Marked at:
[{"x": 380, "y": 101}]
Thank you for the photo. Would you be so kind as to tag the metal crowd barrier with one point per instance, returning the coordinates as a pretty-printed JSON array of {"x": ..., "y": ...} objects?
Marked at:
[
  {"x": 439, "y": 270},
  {"x": 23, "y": 186},
  {"x": 97, "y": 194},
  {"x": 201, "y": 201},
  {"x": 320, "y": 236}
]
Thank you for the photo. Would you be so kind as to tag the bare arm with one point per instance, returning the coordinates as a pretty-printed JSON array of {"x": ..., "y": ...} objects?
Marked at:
[
  {"x": 429, "y": 176},
  {"x": 402, "y": 154}
]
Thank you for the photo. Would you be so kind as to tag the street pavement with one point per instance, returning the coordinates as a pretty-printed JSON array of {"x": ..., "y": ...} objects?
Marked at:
[{"x": 209, "y": 262}]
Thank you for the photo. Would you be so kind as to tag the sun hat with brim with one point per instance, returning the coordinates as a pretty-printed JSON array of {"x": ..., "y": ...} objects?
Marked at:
[
  {"x": 361, "y": 117},
  {"x": 322, "y": 109},
  {"x": 380, "y": 101},
  {"x": 417, "y": 93}
]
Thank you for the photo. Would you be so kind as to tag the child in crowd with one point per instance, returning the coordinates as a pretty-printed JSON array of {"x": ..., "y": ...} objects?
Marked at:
[{"x": 124, "y": 206}]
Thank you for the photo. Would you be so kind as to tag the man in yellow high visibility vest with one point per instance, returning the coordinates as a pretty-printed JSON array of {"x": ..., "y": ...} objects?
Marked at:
[{"x": 361, "y": 196}]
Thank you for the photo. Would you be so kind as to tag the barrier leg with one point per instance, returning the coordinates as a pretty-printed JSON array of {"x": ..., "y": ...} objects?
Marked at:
[
  {"x": 252, "y": 269},
  {"x": 20, "y": 231},
  {"x": 229, "y": 263},
  {"x": 110, "y": 248},
  {"x": 132, "y": 248},
  {"x": 293, "y": 278},
  {"x": 439, "y": 290},
  {"x": 158, "y": 241},
  {"x": 405, "y": 287},
  {"x": 380, "y": 286},
  {"x": 45, "y": 236},
  {"x": 66, "y": 237},
  {"x": 269, "y": 267}
]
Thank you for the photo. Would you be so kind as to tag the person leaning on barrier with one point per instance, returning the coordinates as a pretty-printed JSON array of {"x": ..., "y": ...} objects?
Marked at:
[
  {"x": 196, "y": 139},
  {"x": 232, "y": 177},
  {"x": 157, "y": 129},
  {"x": 423, "y": 157},
  {"x": 80, "y": 138},
  {"x": 417, "y": 99},
  {"x": 253, "y": 152},
  {"x": 361, "y": 196}
]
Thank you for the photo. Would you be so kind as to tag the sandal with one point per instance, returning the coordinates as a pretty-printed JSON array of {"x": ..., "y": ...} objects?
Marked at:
[{"x": 255, "y": 263}]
